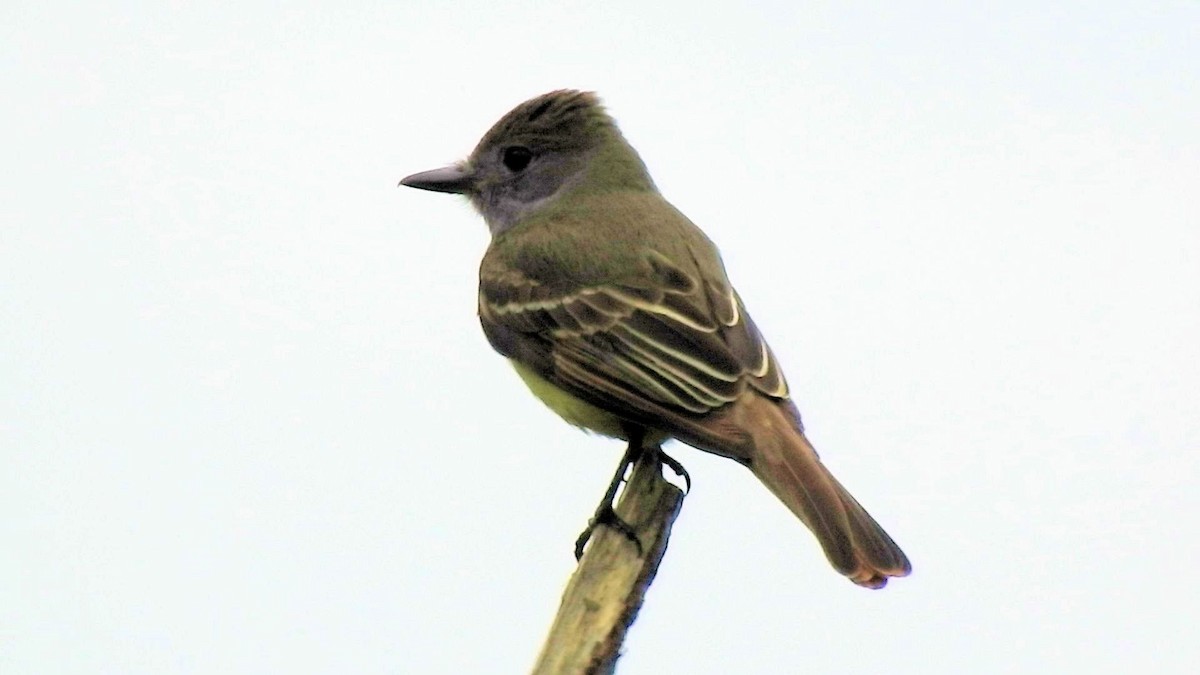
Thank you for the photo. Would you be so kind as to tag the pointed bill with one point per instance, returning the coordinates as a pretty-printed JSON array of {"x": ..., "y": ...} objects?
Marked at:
[{"x": 452, "y": 179}]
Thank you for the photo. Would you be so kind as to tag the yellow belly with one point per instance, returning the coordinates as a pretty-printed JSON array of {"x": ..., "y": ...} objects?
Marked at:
[{"x": 569, "y": 407}]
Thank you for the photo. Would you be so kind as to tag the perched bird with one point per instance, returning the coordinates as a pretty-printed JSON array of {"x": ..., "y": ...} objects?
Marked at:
[{"x": 616, "y": 311}]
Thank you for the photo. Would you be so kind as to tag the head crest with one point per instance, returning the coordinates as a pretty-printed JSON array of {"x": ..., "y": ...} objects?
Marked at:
[{"x": 559, "y": 120}]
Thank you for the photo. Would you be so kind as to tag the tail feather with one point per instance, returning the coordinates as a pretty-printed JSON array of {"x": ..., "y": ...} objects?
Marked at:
[
  {"x": 786, "y": 462},
  {"x": 877, "y": 547}
]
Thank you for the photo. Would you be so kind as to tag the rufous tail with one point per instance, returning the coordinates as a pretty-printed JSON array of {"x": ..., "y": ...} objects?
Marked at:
[{"x": 786, "y": 462}]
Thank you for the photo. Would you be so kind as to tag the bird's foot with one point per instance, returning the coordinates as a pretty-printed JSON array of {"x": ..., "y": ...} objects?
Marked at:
[
  {"x": 605, "y": 515},
  {"x": 675, "y": 466}
]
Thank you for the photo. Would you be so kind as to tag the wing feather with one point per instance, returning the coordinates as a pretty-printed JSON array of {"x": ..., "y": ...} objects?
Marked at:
[{"x": 682, "y": 343}]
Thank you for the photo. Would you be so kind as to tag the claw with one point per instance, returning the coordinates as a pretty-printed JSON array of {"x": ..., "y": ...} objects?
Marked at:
[
  {"x": 605, "y": 515},
  {"x": 677, "y": 468}
]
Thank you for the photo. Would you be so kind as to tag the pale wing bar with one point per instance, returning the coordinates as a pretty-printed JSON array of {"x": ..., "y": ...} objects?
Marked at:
[{"x": 663, "y": 345}]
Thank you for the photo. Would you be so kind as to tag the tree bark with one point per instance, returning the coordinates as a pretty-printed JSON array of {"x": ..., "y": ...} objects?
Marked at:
[{"x": 606, "y": 591}]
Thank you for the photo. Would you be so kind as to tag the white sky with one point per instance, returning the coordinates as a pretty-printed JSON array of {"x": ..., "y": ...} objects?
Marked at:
[{"x": 248, "y": 422}]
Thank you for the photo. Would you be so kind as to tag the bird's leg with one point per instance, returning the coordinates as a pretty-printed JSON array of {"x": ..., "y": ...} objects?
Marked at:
[{"x": 605, "y": 515}]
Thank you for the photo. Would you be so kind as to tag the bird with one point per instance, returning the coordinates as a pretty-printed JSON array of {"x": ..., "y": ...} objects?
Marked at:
[{"x": 616, "y": 311}]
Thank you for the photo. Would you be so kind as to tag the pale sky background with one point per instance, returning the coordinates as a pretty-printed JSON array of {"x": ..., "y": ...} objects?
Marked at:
[{"x": 248, "y": 422}]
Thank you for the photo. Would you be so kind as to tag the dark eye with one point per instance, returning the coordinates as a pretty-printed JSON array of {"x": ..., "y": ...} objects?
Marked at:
[{"x": 517, "y": 157}]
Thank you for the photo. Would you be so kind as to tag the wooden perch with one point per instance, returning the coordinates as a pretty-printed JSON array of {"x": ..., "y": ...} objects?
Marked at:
[{"x": 604, "y": 594}]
